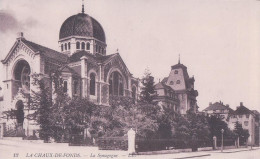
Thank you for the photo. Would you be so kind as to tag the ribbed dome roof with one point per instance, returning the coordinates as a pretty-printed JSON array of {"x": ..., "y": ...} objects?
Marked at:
[{"x": 82, "y": 25}]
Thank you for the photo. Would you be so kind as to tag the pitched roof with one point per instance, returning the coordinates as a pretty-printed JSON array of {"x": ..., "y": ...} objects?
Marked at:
[
  {"x": 97, "y": 58},
  {"x": 217, "y": 106},
  {"x": 45, "y": 51},
  {"x": 241, "y": 110},
  {"x": 164, "y": 79},
  {"x": 161, "y": 85}
]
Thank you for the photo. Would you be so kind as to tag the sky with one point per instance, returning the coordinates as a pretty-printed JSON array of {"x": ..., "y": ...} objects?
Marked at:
[{"x": 218, "y": 40}]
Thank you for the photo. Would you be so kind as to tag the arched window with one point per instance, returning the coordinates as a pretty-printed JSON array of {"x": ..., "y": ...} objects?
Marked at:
[
  {"x": 171, "y": 83},
  {"x": 82, "y": 46},
  {"x": 88, "y": 46},
  {"x": 102, "y": 51},
  {"x": 92, "y": 84},
  {"x": 65, "y": 86},
  {"x": 78, "y": 45},
  {"x": 116, "y": 85},
  {"x": 61, "y": 47},
  {"x": 178, "y": 82},
  {"x": 176, "y": 72},
  {"x": 65, "y": 46},
  {"x": 69, "y": 45}
]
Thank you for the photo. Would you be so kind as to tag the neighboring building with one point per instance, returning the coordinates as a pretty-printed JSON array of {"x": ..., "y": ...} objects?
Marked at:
[
  {"x": 183, "y": 86},
  {"x": 86, "y": 68},
  {"x": 166, "y": 97},
  {"x": 247, "y": 118},
  {"x": 257, "y": 127},
  {"x": 219, "y": 109}
]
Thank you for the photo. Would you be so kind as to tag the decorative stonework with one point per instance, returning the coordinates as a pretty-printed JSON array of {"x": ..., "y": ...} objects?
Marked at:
[{"x": 16, "y": 52}]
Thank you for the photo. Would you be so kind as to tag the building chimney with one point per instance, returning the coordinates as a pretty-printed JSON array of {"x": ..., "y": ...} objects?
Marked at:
[
  {"x": 20, "y": 35},
  {"x": 227, "y": 105},
  {"x": 241, "y": 103},
  {"x": 210, "y": 103}
]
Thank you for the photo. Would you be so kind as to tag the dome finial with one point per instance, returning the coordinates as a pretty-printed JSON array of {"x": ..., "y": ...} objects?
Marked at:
[
  {"x": 83, "y": 6},
  {"x": 179, "y": 59}
]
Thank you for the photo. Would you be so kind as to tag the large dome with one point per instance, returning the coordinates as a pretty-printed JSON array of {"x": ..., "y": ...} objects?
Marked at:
[{"x": 82, "y": 25}]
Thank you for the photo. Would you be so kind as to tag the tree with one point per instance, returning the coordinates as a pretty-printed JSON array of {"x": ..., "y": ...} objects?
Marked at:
[
  {"x": 124, "y": 114},
  {"x": 41, "y": 104},
  {"x": 147, "y": 93},
  {"x": 48, "y": 101},
  {"x": 216, "y": 124},
  {"x": 241, "y": 133},
  {"x": 191, "y": 129},
  {"x": 80, "y": 114}
]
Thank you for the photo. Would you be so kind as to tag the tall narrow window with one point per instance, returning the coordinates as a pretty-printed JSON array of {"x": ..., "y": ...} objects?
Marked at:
[
  {"x": 116, "y": 84},
  {"x": 78, "y": 45},
  {"x": 69, "y": 45},
  {"x": 65, "y": 46},
  {"x": 99, "y": 49},
  {"x": 96, "y": 48},
  {"x": 134, "y": 93},
  {"x": 92, "y": 84},
  {"x": 111, "y": 84},
  {"x": 82, "y": 46},
  {"x": 121, "y": 89},
  {"x": 65, "y": 86},
  {"x": 88, "y": 46},
  {"x": 75, "y": 86},
  {"x": 61, "y": 47}
]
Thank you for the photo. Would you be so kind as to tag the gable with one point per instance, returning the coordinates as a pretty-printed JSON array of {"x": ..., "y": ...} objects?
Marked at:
[
  {"x": 16, "y": 51},
  {"x": 115, "y": 62}
]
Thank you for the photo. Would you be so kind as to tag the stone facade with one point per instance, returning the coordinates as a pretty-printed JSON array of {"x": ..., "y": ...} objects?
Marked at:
[
  {"x": 86, "y": 69},
  {"x": 183, "y": 87}
]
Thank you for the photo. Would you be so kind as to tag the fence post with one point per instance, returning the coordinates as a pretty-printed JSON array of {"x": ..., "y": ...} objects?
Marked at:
[
  {"x": 214, "y": 142},
  {"x": 131, "y": 141}
]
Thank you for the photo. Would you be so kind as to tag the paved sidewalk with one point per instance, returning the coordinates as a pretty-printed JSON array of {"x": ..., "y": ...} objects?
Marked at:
[{"x": 8, "y": 148}]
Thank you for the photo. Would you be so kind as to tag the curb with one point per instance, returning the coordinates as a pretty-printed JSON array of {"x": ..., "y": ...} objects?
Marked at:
[{"x": 193, "y": 156}]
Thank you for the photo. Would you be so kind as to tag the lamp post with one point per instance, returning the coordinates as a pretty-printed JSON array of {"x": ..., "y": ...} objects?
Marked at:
[{"x": 222, "y": 131}]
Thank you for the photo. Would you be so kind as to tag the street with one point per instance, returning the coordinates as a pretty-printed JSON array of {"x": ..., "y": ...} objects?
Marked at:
[{"x": 23, "y": 150}]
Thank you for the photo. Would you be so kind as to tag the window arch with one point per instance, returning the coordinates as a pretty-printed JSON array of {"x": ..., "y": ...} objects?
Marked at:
[
  {"x": 116, "y": 85},
  {"x": 88, "y": 46},
  {"x": 176, "y": 72},
  {"x": 178, "y": 82},
  {"x": 82, "y": 46},
  {"x": 69, "y": 45},
  {"x": 171, "y": 83},
  {"x": 92, "y": 84},
  {"x": 77, "y": 45},
  {"x": 65, "y": 46},
  {"x": 61, "y": 47}
]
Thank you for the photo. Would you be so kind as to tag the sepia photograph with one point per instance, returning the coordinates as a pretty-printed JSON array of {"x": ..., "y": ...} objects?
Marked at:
[{"x": 112, "y": 79}]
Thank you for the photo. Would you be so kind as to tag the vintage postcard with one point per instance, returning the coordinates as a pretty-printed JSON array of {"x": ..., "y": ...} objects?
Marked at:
[{"x": 113, "y": 79}]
